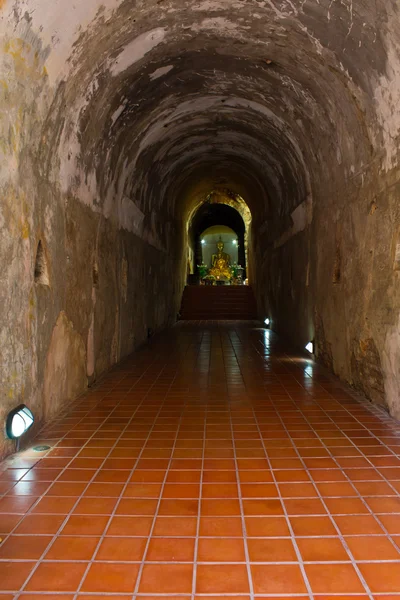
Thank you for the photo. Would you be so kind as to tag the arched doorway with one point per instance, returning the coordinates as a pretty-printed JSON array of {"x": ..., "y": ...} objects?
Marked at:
[{"x": 220, "y": 216}]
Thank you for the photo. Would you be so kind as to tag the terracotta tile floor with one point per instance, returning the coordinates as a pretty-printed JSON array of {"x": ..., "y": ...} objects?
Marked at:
[{"x": 213, "y": 462}]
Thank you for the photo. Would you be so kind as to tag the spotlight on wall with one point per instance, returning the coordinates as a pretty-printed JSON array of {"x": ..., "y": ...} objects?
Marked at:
[
  {"x": 267, "y": 321},
  {"x": 234, "y": 242},
  {"x": 310, "y": 347},
  {"x": 18, "y": 421},
  {"x": 203, "y": 241}
]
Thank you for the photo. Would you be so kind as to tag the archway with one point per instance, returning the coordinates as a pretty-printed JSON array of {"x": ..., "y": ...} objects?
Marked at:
[{"x": 222, "y": 213}]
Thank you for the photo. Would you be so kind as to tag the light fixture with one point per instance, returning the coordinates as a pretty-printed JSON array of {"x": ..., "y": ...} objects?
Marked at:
[
  {"x": 310, "y": 347},
  {"x": 203, "y": 241},
  {"x": 18, "y": 421},
  {"x": 267, "y": 321},
  {"x": 234, "y": 242}
]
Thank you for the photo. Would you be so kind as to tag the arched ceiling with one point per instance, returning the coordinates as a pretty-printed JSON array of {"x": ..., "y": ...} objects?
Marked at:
[{"x": 152, "y": 100}]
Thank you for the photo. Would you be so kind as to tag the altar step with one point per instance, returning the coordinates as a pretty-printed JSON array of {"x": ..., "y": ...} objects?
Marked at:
[{"x": 228, "y": 302}]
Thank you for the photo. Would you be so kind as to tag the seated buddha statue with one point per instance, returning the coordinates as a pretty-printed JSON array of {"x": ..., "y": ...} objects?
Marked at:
[{"x": 220, "y": 263}]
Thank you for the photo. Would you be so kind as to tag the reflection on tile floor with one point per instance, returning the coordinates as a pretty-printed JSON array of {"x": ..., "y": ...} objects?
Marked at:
[{"x": 212, "y": 462}]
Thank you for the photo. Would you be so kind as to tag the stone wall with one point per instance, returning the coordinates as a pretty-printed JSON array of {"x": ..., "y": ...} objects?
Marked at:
[{"x": 336, "y": 282}]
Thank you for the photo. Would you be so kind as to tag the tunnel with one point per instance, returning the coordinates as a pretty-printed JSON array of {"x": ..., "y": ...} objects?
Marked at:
[
  {"x": 128, "y": 128},
  {"x": 121, "y": 120}
]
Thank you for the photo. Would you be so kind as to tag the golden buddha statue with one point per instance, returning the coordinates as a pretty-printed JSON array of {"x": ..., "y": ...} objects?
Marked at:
[{"x": 220, "y": 263}]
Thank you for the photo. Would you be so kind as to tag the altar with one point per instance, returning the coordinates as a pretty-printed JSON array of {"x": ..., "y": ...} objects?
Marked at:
[{"x": 221, "y": 270}]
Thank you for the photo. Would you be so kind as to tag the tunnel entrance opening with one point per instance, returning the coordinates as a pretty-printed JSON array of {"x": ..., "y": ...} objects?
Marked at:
[{"x": 218, "y": 229}]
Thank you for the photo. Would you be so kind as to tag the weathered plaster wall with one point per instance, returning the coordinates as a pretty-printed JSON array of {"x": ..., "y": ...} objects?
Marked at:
[
  {"x": 118, "y": 118},
  {"x": 335, "y": 282},
  {"x": 65, "y": 373}
]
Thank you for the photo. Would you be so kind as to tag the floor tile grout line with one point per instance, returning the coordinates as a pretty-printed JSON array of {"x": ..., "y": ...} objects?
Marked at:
[
  {"x": 343, "y": 431},
  {"x": 340, "y": 468},
  {"x": 373, "y": 409},
  {"x": 325, "y": 468},
  {"x": 355, "y": 418},
  {"x": 47, "y": 426},
  {"x": 214, "y": 537},
  {"x": 81, "y": 398},
  {"x": 351, "y": 415},
  {"x": 187, "y": 596},
  {"x": 182, "y": 484},
  {"x": 350, "y": 481},
  {"x": 55, "y": 536},
  {"x": 75, "y": 405},
  {"x": 280, "y": 469},
  {"x": 215, "y": 424},
  {"x": 211, "y": 562},
  {"x": 360, "y": 496},
  {"x": 340, "y": 535},
  {"x": 367, "y": 458},
  {"x": 288, "y": 523},
  {"x": 238, "y": 484},
  {"x": 279, "y": 406},
  {"x": 196, "y": 544},
  {"x": 120, "y": 497},
  {"x": 56, "y": 480},
  {"x": 47, "y": 456},
  {"x": 156, "y": 514},
  {"x": 331, "y": 517}
]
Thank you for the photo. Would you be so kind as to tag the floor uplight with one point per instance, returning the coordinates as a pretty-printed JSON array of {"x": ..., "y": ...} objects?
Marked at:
[
  {"x": 310, "y": 347},
  {"x": 18, "y": 422}
]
